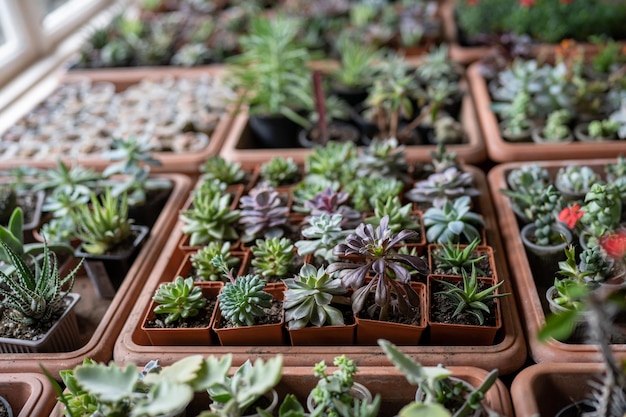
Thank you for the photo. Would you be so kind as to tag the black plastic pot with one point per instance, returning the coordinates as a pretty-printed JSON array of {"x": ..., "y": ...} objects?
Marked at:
[
  {"x": 577, "y": 409},
  {"x": 107, "y": 271},
  {"x": 275, "y": 131},
  {"x": 148, "y": 212},
  {"x": 353, "y": 96}
]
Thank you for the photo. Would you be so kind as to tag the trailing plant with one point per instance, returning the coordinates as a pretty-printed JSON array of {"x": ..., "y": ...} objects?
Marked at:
[
  {"x": 323, "y": 233},
  {"x": 470, "y": 298},
  {"x": 210, "y": 217},
  {"x": 272, "y": 256},
  {"x": 390, "y": 269},
  {"x": 279, "y": 171},
  {"x": 438, "y": 388},
  {"x": 399, "y": 215},
  {"x": 34, "y": 294},
  {"x": 309, "y": 296},
  {"x": 332, "y": 202},
  {"x": 242, "y": 299},
  {"x": 262, "y": 213},
  {"x": 216, "y": 167},
  {"x": 453, "y": 222},
  {"x": 439, "y": 188},
  {"x": 453, "y": 259},
  {"x": 202, "y": 260},
  {"x": 103, "y": 224},
  {"x": 179, "y": 299}
]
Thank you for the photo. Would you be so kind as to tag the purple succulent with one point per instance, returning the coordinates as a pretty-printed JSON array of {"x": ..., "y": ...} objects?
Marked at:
[
  {"x": 332, "y": 202},
  {"x": 262, "y": 213}
]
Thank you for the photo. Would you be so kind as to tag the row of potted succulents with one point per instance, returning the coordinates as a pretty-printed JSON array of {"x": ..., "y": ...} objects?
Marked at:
[
  {"x": 88, "y": 222},
  {"x": 335, "y": 240},
  {"x": 209, "y": 386},
  {"x": 193, "y": 33}
]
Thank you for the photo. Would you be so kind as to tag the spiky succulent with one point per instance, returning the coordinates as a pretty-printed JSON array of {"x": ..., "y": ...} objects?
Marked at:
[
  {"x": 308, "y": 298},
  {"x": 322, "y": 235},
  {"x": 67, "y": 179},
  {"x": 178, "y": 299},
  {"x": 399, "y": 216},
  {"x": 33, "y": 294},
  {"x": 391, "y": 275},
  {"x": 210, "y": 218},
  {"x": 453, "y": 258},
  {"x": 452, "y": 222},
  {"x": 104, "y": 223},
  {"x": 202, "y": 260},
  {"x": 332, "y": 202},
  {"x": 385, "y": 158},
  {"x": 243, "y": 299},
  {"x": 262, "y": 213},
  {"x": 216, "y": 167},
  {"x": 441, "y": 187},
  {"x": 210, "y": 187},
  {"x": 273, "y": 256},
  {"x": 279, "y": 171},
  {"x": 8, "y": 202},
  {"x": 470, "y": 298}
]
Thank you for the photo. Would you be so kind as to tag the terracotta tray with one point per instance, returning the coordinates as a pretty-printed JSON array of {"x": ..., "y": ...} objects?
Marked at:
[
  {"x": 29, "y": 394},
  {"x": 507, "y": 354},
  {"x": 122, "y": 78},
  {"x": 528, "y": 296}
]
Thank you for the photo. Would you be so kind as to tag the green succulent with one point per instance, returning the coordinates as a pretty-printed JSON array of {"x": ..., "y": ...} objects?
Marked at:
[
  {"x": 323, "y": 233},
  {"x": 603, "y": 208},
  {"x": 178, "y": 299},
  {"x": 279, "y": 171},
  {"x": 335, "y": 162},
  {"x": 576, "y": 178},
  {"x": 34, "y": 294},
  {"x": 244, "y": 299},
  {"x": 470, "y": 298},
  {"x": 216, "y": 167},
  {"x": 308, "y": 298},
  {"x": 357, "y": 60},
  {"x": 603, "y": 128},
  {"x": 436, "y": 65},
  {"x": 454, "y": 259},
  {"x": 67, "y": 179},
  {"x": 385, "y": 158},
  {"x": 453, "y": 222},
  {"x": 365, "y": 192},
  {"x": 542, "y": 213},
  {"x": 556, "y": 128},
  {"x": 210, "y": 218},
  {"x": 399, "y": 216},
  {"x": 594, "y": 264},
  {"x": 273, "y": 256},
  {"x": 202, "y": 260},
  {"x": 104, "y": 224}
]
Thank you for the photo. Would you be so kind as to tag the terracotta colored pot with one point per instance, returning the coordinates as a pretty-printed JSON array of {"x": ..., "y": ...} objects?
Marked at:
[
  {"x": 123, "y": 78},
  {"x": 100, "y": 321},
  {"x": 323, "y": 336},
  {"x": 368, "y": 331},
  {"x": 29, "y": 394},
  {"x": 263, "y": 334},
  {"x": 500, "y": 150},
  {"x": 240, "y": 145},
  {"x": 544, "y": 389},
  {"x": 483, "y": 250},
  {"x": 192, "y": 336},
  {"x": 530, "y": 294},
  {"x": 460, "y": 334}
]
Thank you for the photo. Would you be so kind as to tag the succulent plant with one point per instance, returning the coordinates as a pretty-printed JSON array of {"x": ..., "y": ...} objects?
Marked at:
[
  {"x": 603, "y": 207},
  {"x": 454, "y": 259},
  {"x": 391, "y": 273},
  {"x": 191, "y": 55},
  {"x": 576, "y": 178},
  {"x": 335, "y": 162},
  {"x": 308, "y": 298},
  {"x": 452, "y": 222},
  {"x": 470, "y": 298},
  {"x": 365, "y": 192},
  {"x": 322, "y": 235},
  {"x": 439, "y": 188},
  {"x": 178, "y": 299},
  {"x": 210, "y": 218},
  {"x": 332, "y": 202},
  {"x": 357, "y": 61},
  {"x": 516, "y": 115},
  {"x": 262, "y": 213},
  {"x": 216, "y": 167},
  {"x": 34, "y": 294},
  {"x": 528, "y": 175},
  {"x": 399, "y": 216},
  {"x": 594, "y": 264},
  {"x": 243, "y": 299},
  {"x": 202, "y": 260},
  {"x": 543, "y": 212},
  {"x": 448, "y": 130},
  {"x": 556, "y": 128},
  {"x": 8, "y": 202},
  {"x": 66, "y": 179},
  {"x": 272, "y": 256},
  {"x": 104, "y": 223},
  {"x": 603, "y": 128},
  {"x": 279, "y": 171},
  {"x": 384, "y": 158}
]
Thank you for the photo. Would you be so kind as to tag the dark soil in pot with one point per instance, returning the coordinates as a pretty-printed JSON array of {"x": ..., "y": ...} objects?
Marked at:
[
  {"x": 482, "y": 265},
  {"x": 273, "y": 315},
  {"x": 13, "y": 330},
  {"x": 394, "y": 314},
  {"x": 203, "y": 319},
  {"x": 338, "y": 132},
  {"x": 442, "y": 308}
]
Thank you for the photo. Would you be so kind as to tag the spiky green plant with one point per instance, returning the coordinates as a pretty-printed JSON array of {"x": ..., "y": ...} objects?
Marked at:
[
  {"x": 210, "y": 218},
  {"x": 67, "y": 179},
  {"x": 33, "y": 294},
  {"x": 365, "y": 192},
  {"x": 399, "y": 216},
  {"x": 308, "y": 298},
  {"x": 216, "y": 167},
  {"x": 279, "y": 171},
  {"x": 335, "y": 162},
  {"x": 357, "y": 61},
  {"x": 470, "y": 298},
  {"x": 273, "y": 256},
  {"x": 384, "y": 158},
  {"x": 453, "y": 259},
  {"x": 202, "y": 260},
  {"x": 178, "y": 299},
  {"x": 104, "y": 223}
]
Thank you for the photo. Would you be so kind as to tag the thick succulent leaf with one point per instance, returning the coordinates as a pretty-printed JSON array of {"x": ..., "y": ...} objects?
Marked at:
[
  {"x": 108, "y": 383},
  {"x": 165, "y": 397}
]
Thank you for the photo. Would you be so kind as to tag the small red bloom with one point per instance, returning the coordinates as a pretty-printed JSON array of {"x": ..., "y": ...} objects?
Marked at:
[
  {"x": 472, "y": 2},
  {"x": 571, "y": 215},
  {"x": 566, "y": 1},
  {"x": 527, "y": 3},
  {"x": 614, "y": 244}
]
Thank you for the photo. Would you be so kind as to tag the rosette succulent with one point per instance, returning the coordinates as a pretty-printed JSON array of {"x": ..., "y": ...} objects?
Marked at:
[
  {"x": 273, "y": 256},
  {"x": 262, "y": 213},
  {"x": 178, "y": 299}
]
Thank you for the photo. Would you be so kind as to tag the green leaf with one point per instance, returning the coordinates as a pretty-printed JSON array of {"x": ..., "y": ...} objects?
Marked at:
[
  {"x": 108, "y": 383},
  {"x": 424, "y": 410},
  {"x": 165, "y": 397},
  {"x": 559, "y": 326}
]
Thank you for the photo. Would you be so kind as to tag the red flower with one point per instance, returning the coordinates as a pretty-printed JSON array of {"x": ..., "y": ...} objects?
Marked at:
[
  {"x": 472, "y": 2},
  {"x": 614, "y": 244},
  {"x": 527, "y": 3},
  {"x": 566, "y": 1},
  {"x": 571, "y": 215}
]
